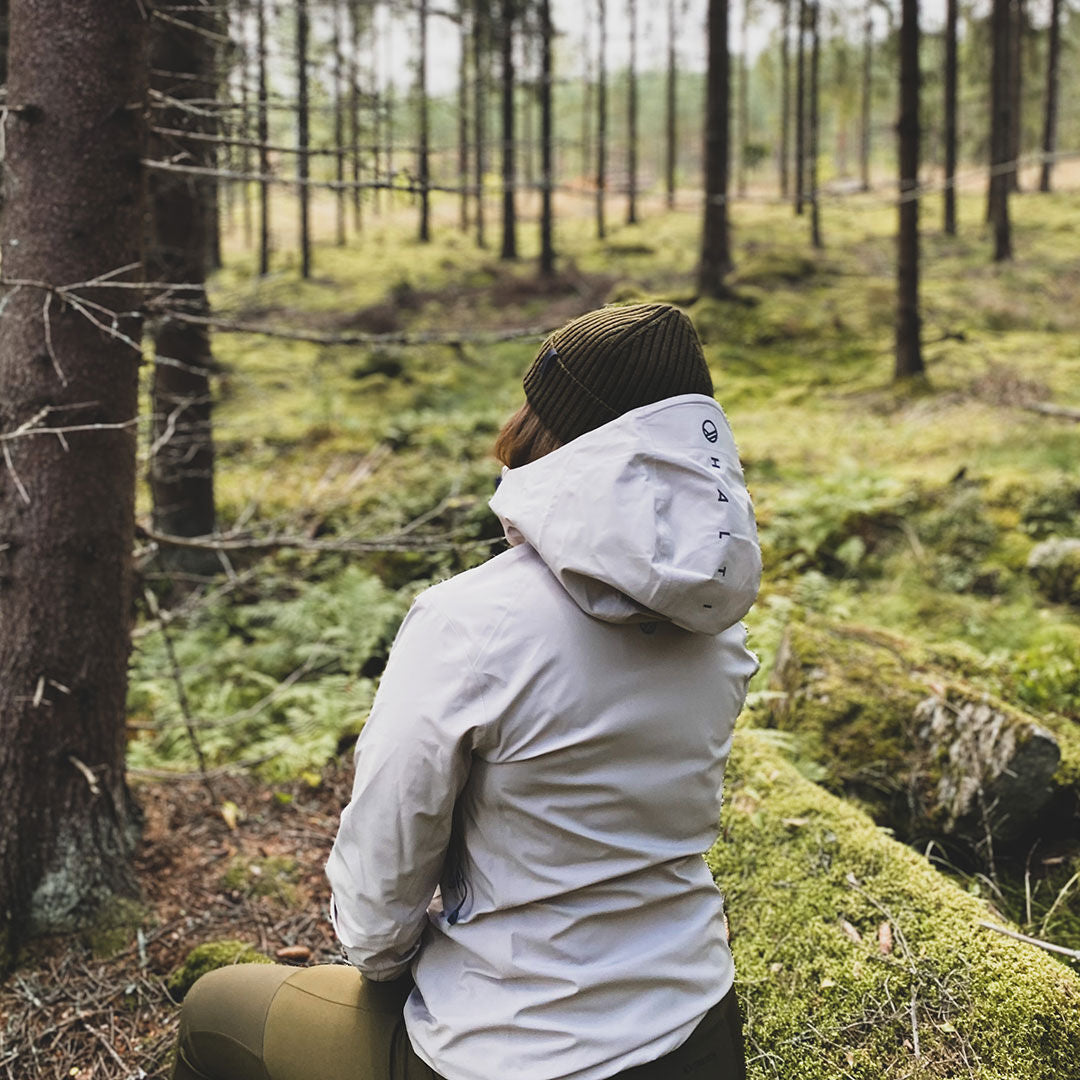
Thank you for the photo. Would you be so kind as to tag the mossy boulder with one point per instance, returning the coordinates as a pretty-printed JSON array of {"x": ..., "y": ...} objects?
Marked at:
[
  {"x": 207, "y": 957},
  {"x": 855, "y": 958},
  {"x": 927, "y": 753},
  {"x": 1055, "y": 566}
]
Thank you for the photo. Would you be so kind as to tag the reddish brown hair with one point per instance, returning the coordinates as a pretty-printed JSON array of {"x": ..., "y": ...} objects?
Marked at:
[{"x": 524, "y": 438}]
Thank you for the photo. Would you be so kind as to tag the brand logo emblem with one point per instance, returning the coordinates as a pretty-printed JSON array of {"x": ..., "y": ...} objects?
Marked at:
[{"x": 709, "y": 430}]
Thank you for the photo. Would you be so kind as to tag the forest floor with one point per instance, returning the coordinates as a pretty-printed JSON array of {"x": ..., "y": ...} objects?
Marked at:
[
  {"x": 912, "y": 507},
  {"x": 83, "y": 1009}
]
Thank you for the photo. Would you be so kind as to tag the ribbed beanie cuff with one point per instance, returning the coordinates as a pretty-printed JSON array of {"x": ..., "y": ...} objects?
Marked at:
[{"x": 610, "y": 361}]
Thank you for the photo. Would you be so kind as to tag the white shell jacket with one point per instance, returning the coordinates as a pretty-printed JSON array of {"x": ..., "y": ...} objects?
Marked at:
[{"x": 543, "y": 764}]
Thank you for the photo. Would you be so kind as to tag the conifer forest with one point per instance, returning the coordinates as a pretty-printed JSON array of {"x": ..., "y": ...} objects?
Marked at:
[{"x": 271, "y": 272}]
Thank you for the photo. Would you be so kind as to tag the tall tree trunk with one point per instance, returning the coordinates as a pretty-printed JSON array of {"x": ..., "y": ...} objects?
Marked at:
[
  {"x": 338, "y": 76},
  {"x": 784, "y": 150},
  {"x": 951, "y": 13},
  {"x": 3, "y": 41},
  {"x": 508, "y": 12},
  {"x": 463, "y": 115},
  {"x": 422, "y": 162},
  {"x": 1049, "y": 139},
  {"x": 587, "y": 95},
  {"x": 1016, "y": 65},
  {"x": 377, "y": 114},
  {"x": 631, "y": 118},
  {"x": 243, "y": 188},
  {"x": 815, "y": 64},
  {"x": 866, "y": 111},
  {"x": 800, "y": 108},
  {"x": 716, "y": 261},
  {"x": 303, "y": 139},
  {"x": 355, "y": 154},
  {"x": 547, "y": 247},
  {"x": 671, "y": 134},
  {"x": 1001, "y": 103},
  {"x": 908, "y": 349},
  {"x": 67, "y": 505},
  {"x": 743, "y": 103},
  {"x": 481, "y": 39},
  {"x": 181, "y": 463},
  {"x": 263, "y": 128},
  {"x": 525, "y": 107},
  {"x": 601, "y": 118}
]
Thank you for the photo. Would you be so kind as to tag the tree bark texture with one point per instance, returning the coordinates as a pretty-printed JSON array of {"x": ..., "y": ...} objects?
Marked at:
[
  {"x": 1053, "y": 53},
  {"x": 182, "y": 447},
  {"x": 800, "y": 108},
  {"x": 1016, "y": 65},
  {"x": 463, "y": 116},
  {"x": 815, "y": 65},
  {"x": 422, "y": 157},
  {"x": 338, "y": 77},
  {"x": 866, "y": 117},
  {"x": 716, "y": 261},
  {"x": 632, "y": 118},
  {"x": 3, "y": 41},
  {"x": 303, "y": 139},
  {"x": 784, "y": 149},
  {"x": 601, "y": 117},
  {"x": 908, "y": 347},
  {"x": 508, "y": 13},
  {"x": 951, "y": 14},
  {"x": 743, "y": 106},
  {"x": 72, "y": 211},
  {"x": 481, "y": 41},
  {"x": 263, "y": 128},
  {"x": 1001, "y": 103},
  {"x": 355, "y": 156},
  {"x": 547, "y": 246}
]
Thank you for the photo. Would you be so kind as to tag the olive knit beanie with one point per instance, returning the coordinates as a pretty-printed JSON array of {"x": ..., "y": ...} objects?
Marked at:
[{"x": 610, "y": 361}]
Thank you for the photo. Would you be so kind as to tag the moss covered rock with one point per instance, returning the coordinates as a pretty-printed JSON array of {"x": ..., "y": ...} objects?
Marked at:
[
  {"x": 855, "y": 958},
  {"x": 207, "y": 957},
  {"x": 927, "y": 753},
  {"x": 1055, "y": 566}
]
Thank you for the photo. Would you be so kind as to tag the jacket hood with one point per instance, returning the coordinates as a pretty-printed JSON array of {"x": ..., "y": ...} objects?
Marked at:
[{"x": 645, "y": 518}]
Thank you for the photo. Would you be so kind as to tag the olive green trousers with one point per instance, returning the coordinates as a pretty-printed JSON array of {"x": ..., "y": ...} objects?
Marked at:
[{"x": 272, "y": 1022}]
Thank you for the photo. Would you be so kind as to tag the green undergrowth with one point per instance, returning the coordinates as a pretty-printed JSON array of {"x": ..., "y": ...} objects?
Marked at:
[{"x": 856, "y": 958}]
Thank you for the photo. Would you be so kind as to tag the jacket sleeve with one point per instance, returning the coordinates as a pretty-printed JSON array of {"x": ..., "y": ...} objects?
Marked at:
[{"x": 412, "y": 761}]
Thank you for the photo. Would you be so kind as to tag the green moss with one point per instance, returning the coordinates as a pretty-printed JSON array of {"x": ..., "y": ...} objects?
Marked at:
[
  {"x": 114, "y": 926},
  {"x": 796, "y": 864},
  {"x": 207, "y": 957},
  {"x": 274, "y": 876}
]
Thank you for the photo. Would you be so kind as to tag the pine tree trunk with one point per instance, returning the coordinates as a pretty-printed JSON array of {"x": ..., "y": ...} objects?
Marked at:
[
  {"x": 716, "y": 261},
  {"x": 743, "y": 104},
  {"x": 908, "y": 348},
  {"x": 587, "y": 107},
  {"x": 784, "y": 152},
  {"x": 672, "y": 108},
  {"x": 67, "y": 504},
  {"x": 3, "y": 41},
  {"x": 800, "y": 108},
  {"x": 481, "y": 38},
  {"x": 243, "y": 188},
  {"x": 181, "y": 468},
  {"x": 303, "y": 141},
  {"x": 951, "y": 15},
  {"x": 378, "y": 108},
  {"x": 1001, "y": 103},
  {"x": 815, "y": 64},
  {"x": 337, "y": 78},
  {"x": 632, "y": 118},
  {"x": 422, "y": 161},
  {"x": 866, "y": 117},
  {"x": 547, "y": 248},
  {"x": 355, "y": 156},
  {"x": 1049, "y": 139},
  {"x": 509, "y": 162},
  {"x": 1016, "y": 65},
  {"x": 463, "y": 115},
  {"x": 601, "y": 119},
  {"x": 263, "y": 127}
]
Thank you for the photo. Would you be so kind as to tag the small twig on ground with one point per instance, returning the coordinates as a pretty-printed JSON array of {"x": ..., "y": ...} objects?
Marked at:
[
  {"x": 181, "y": 692},
  {"x": 1073, "y": 954},
  {"x": 1046, "y": 409}
]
